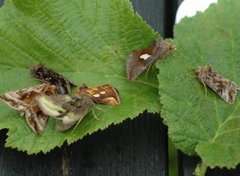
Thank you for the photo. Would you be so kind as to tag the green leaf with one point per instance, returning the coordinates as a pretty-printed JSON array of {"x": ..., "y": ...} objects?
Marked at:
[
  {"x": 198, "y": 122},
  {"x": 87, "y": 41}
]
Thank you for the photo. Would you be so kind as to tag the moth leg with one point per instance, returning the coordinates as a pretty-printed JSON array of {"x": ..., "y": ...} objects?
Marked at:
[
  {"x": 148, "y": 69},
  {"x": 98, "y": 108},
  {"x": 205, "y": 89},
  {"x": 94, "y": 115}
]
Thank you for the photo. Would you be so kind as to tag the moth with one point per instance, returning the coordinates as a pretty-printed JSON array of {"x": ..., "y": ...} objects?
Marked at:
[
  {"x": 47, "y": 75},
  {"x": 105, "y": 94},
  {"x": 69, "y": 109},
  {"x": 23, "y": 100},
  {"x": 72, "y": 108},
  {"x": 225, "y": 88},
  {"x": 142, "y": 60}
]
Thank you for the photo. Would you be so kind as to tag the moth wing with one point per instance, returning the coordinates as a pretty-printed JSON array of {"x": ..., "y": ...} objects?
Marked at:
[
  {"x": 53, "y": 105},
  {"x": 35, "y": 119},
  {"x": 106, "y": 94},
  {"x": 47, "y": 75},
  {"x": 74, "y": 116},
  {"x": 224, "y": 88},
  {"x": 135, "y": 66},
  {"x": 227, "y": 90},
  {"x": 141, "y": 60},
  {"x": 23, "y": 100}
]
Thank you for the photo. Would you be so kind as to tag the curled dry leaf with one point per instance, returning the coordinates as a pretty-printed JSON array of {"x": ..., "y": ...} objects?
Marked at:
[
  {"x": 23, "y": 100},
  {"x": 47, "y": 75},
  {"x": 141, "y": 60}
]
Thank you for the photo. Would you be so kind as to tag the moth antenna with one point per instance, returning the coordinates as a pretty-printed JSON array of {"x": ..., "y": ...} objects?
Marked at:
[
  {"x": 205, "y": 89},
  {"x": 174, "y": 54},
  {"x": 190, "y": 76}
]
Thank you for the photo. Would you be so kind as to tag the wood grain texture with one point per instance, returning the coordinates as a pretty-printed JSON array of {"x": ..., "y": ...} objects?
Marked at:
[
  {"x": 153, "y": 12},
  {"x": 135, "y": 147}
]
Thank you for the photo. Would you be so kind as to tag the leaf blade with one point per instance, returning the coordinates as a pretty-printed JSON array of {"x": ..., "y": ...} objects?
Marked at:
[
  {"x": 195, "y": 119},
  {"x": 87, "y": 42}
]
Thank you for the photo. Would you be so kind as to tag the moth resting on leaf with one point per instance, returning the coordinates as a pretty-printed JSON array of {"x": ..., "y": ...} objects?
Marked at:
[
  {"x": 105, "y": 94},
  {"x": 71, "y": 109},
  {"x": 143, "y": 59},
  {"x": 47, "y": 75},
  {"x": 23, "y": 100},
  {"x": 225, "y": 88}
]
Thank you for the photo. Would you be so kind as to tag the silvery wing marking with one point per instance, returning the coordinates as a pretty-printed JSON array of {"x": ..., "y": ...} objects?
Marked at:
[
  {"x": 225, "y": 88},
  {"x": 141, "y": 60},
  {"x": 47, "y": 75},
  {"x": 69, "y": 109},
  {"x": 23, "y": 100},
  {"x": 105, "y": 94}
]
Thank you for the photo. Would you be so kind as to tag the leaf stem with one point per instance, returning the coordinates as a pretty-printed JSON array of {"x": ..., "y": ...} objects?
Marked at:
[{"x": 200, "y": 170}]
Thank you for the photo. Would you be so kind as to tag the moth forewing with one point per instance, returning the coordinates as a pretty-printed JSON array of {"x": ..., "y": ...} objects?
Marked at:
[
  {"x": 105, "y": 94},
  {"x": 52, "y": 105},
  {"x": 24, "y": 100},
  {"x": 70, "y": 109},
  {"x": 75, "y": 116},
  {"x": 140, "y": 60},
  {"x": 47, "y": 75},
  {"x": 225, "y": 88}
]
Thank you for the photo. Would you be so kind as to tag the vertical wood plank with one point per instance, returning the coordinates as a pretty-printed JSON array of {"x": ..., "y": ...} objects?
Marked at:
[
  {"x": 135, "y": 147},
  {"x": 17, "y": 163},
  {"x": 153, "y": 12}
]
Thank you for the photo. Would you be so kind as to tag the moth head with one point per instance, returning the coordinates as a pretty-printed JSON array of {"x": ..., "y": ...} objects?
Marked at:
[
  {"x": 106, "y": 94},
  {"x": 37, "y": 71},
  {"x": 203, "y": 71}
]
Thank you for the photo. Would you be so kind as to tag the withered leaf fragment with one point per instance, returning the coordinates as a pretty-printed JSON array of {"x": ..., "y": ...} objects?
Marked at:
[
  {"x": 142, "y": 60},
  {"x": 105, "y": 94},
  {"x": 47, "y": 75},
  {"x": 225, "y": 88},
  {"x": 70, "y": 109},
  {"x": 23, "y": 100}
]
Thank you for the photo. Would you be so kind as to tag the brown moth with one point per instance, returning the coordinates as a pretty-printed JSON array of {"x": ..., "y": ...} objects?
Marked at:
[
  {"x": 141, "y": 60},
  {"x": 69, "y": 109},
  {"x": 225, "y": 88},
  {"x": 72, "y": 108},
  {"x": 105, "y": 94},
  {"x": 47, "y": 75},
  {"x": 23, "y": 100}
]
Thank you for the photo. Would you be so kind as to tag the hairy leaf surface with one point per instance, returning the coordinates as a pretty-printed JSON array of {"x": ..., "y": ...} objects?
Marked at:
[
  {"x": 198, "y": 122},
  {"x": 87, "y": 41}
]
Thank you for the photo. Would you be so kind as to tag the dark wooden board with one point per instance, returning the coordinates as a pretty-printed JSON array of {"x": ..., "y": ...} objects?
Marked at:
[
  {"x": 187, "y": 165},
  {"x": 136, "y": 147}
]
